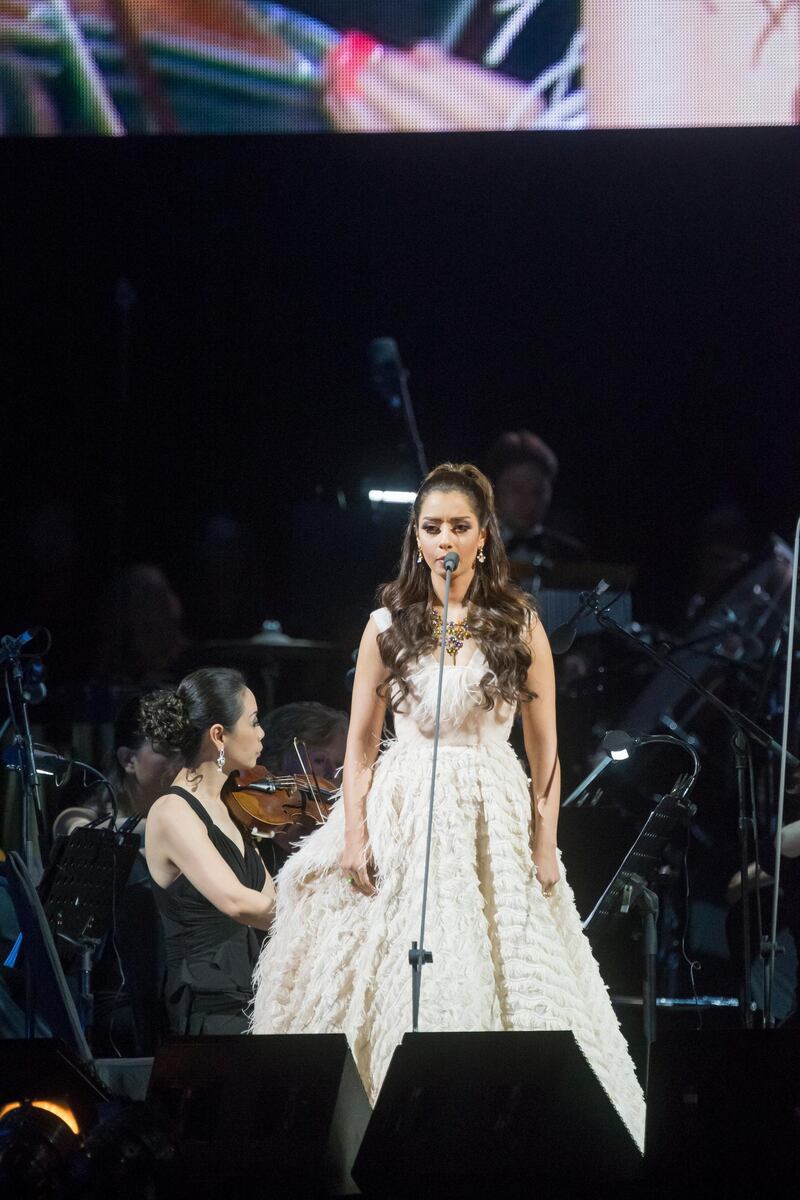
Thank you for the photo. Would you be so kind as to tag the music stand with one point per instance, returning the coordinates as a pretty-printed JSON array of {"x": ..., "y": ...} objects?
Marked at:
[
  {"x": 628, "y": 889},
  {"x": 80, "y": 893},
  {"x": 47, "y": 995}
]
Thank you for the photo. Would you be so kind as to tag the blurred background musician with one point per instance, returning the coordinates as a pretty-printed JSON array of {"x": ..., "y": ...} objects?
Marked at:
[
  {"x": 523, "y": 470},
  {"x": 319, "y": 733}
]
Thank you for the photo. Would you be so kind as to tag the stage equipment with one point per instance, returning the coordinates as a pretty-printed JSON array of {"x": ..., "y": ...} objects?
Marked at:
[
  {"x": 15, "y": 659},
  {"x": 492, "y": 1114},
  {"x": 128, "y": 1155},
  {"x": 37, "y": 1147},
  {"x": 46, "y": 1071},
  {"x": 378, "y": 496},
  {"x": 48, "y": 1001},
  {"x": 618, "y": 746},
  {"x": 287, "y": 1110},
  {"x": 772, "y": 944},
  {"x": 722, "y": 1112},
  {"x": 745, "y": 730},
  {"x": 390, "y": 379},
  {"x": 563, "y": 635},
  {"x": 80, "y": 891},
  {"x": 265, "y": 652},
  {"x": 418, "y": 955},
  {"x": 629, "y": 889}
]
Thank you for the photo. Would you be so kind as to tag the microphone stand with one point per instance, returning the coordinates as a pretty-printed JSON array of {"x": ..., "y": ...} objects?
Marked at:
[
  {"x": 772, "y": 944},
  {"x": 745, "y": 730},
  {"x": 418, "y": 955},
  {"x": 33, "y": 824}
]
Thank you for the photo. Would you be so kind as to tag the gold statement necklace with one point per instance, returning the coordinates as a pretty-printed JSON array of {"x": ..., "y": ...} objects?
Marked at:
[{"x": 457, "y": 633}]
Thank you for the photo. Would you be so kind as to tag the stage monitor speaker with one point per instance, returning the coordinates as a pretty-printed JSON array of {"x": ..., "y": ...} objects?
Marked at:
[
  {"x": 723, "y": 1109},
  {"x": 280, "y": 1114},
  {"x": 493, "y": 1114}
]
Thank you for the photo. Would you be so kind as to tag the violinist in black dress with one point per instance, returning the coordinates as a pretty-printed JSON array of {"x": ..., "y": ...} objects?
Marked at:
[{"x": 209, "y": 882}]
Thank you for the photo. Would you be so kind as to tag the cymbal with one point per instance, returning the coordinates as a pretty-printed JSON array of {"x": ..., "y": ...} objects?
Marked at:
[{"x": 268, "y": 647}]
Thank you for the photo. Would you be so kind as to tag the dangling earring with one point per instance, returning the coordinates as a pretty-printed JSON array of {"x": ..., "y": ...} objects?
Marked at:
[
  {"x": 419, "y": 553},
  {"x": 481, "y": 556},
  {"x": 221, "y": 759}
]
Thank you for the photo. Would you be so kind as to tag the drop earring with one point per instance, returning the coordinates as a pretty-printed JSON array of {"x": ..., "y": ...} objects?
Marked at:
[
  {"x": 419, "y": 553},
  {"x": 221, "y": 759},
  {"x": 481, "y": 556}
]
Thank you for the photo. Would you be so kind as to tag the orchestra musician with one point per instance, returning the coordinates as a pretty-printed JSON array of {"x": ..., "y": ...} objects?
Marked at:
[{"x": 211, "y": 887}]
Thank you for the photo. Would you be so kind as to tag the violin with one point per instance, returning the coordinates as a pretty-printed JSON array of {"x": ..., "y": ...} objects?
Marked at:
[{"x": 269, "y": 805}]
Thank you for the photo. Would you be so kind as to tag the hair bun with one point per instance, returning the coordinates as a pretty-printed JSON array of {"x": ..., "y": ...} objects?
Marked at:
[{"x": 165, "y": 721}]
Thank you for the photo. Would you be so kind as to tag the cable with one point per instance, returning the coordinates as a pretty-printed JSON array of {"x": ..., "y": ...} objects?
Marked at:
[
  {"x": 693, "y": 964},
  {"x": 115, "y": 948}
]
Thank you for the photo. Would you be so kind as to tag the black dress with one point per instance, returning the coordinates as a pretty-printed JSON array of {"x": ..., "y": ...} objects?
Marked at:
[{"x": 209, "y": 956}]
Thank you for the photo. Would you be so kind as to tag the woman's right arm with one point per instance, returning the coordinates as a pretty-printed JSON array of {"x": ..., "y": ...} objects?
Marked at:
[
  {"x": 176, "y": 836},
  {"x": 363, "y": 742}
]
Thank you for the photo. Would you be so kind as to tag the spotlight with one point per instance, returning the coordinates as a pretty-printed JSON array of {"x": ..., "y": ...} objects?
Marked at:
[
  {"x": 52, "y": 1106},
  {"x": 36, "y": 1150},
  {"x": 382, "y": 496}
]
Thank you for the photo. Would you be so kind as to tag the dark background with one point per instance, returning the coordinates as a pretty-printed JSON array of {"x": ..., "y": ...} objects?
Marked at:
[{"x": 632, "y": 297}]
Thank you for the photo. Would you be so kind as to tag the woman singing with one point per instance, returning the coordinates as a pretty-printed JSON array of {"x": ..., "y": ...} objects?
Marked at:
[
  {"x": 210, "y": 884},
  {"x": 508, "y": 948}
]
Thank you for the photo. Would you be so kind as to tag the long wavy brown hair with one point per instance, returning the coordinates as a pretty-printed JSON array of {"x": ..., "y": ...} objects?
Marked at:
[{"x": 498, "y": 611}]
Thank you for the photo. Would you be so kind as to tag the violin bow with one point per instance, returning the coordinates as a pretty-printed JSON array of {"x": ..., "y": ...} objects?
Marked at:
[{"x": 316, "y": 796}]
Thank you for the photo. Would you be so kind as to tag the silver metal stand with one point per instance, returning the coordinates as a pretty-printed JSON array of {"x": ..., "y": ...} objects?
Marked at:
[
  {"x": 773, "y": 932},
  {"x": 418, "y": 955}
]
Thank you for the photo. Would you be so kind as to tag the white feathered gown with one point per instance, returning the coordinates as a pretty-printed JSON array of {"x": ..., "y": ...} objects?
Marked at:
[{"x": 504, "y": 957}]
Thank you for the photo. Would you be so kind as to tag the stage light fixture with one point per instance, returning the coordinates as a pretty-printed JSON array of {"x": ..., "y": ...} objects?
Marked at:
[
  {"x": 619, "y": 746},
  {"x": 37, "y": 1148},
  {"x": 381, "y": 496},
  {"x": 56, "y": 1107}
]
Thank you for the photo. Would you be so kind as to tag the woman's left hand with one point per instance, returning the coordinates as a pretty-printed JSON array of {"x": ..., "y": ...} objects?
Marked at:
[{"x": 545, "y": 861}]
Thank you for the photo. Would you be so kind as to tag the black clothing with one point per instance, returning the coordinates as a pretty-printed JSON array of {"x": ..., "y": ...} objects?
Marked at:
[
  {"x": 128, "y": 977},
  {"x": 210, "y": 957}
]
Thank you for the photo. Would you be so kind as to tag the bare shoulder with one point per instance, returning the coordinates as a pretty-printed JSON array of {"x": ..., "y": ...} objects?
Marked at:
[
  {"x": 533, "y": 631},
  {"x": 369, "y": 640},
  {"x": 171, "y": 811}
]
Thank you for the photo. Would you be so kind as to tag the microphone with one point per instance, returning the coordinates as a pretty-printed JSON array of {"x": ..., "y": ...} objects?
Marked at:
[
  {"x": 386, "y": 371},
  {"x": 563, "y": 636},
  {"x": 10, "y": 647},
  {"x": 451, "y": 561},
  {"x": 47, "y": 763}
]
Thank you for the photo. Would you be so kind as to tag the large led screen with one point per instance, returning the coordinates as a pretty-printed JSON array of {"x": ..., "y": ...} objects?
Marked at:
[{"x": 245, "y": 66}]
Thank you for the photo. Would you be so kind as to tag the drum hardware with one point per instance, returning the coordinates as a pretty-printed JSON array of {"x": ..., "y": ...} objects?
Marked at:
[
  {"x": 745, "y": 732},
  {"x": 266, "y": 652}
]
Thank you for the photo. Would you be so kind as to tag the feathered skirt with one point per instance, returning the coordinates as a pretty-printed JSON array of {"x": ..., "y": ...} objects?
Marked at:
[{"x": 504, "y": 956}]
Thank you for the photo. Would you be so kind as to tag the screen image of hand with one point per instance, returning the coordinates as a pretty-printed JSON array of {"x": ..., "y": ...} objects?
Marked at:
[{"x": 373, "y": 88}]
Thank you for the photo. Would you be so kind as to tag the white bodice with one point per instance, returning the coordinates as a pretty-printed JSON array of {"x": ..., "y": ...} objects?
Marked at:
[{"x": 464, "y": 722}]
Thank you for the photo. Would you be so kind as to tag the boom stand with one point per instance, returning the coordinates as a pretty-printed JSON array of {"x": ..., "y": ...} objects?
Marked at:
[
  {"x": 629, "y": 889},
  {"x": 744, "y": 729},
  {"x": 418, "y": 955},
  {"x": 33, "y": 824}
]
